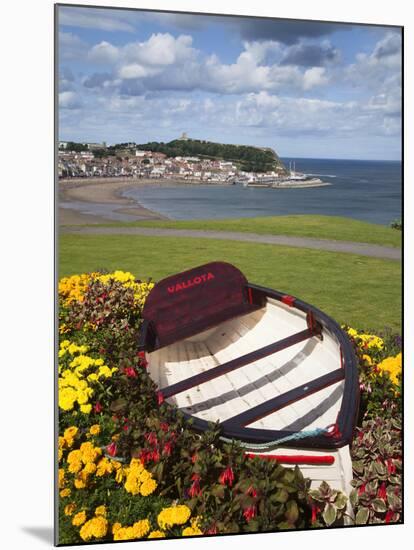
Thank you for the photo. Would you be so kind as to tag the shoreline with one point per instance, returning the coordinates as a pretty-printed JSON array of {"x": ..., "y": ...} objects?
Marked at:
[{"x": 106, "y": 191}]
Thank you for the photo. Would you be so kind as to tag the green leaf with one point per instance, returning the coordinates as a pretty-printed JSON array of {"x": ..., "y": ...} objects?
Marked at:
[
  {"x": 118, "y": 405},
  {"x": 280, "y": 496},
  {"x": 252, "y": 526},
  {"x": 292, "y": 511},
  {"x": 341, "y": 501},
  {"x": 362, "y": 516},
  {"x": 329, "y": 514},
  {"x": 353, "y": 497},
  {"x": 378, "y": 504},
  {"x": 217, "y": 490}
]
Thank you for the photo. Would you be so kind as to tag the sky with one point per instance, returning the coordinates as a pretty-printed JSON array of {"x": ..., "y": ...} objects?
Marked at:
[{"x": 307, "y": 89}]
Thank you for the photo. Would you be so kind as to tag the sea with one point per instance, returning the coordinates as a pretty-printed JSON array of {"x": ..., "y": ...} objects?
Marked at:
[{"x": 364, "y": 190}]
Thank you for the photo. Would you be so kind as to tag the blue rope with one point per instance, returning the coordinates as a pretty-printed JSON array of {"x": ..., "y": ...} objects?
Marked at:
[{"x": 270, "y": 444}]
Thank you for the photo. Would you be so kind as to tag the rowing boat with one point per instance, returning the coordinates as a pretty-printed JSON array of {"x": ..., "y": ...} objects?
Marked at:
[{"x": 278, "y": 374}]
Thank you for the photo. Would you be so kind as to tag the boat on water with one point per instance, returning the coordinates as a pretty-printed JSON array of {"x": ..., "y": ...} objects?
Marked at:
[{"x": 278, "y": 374}]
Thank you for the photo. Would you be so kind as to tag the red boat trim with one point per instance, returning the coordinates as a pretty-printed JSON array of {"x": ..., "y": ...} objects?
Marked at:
[
  {"x": 288, "y": 300},
  {"x": 296, "y": 459},
  {"x": 249, "y": 291}
]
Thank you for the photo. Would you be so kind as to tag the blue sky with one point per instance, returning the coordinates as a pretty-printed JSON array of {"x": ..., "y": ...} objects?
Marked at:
[{"x": 307, "y": 89}]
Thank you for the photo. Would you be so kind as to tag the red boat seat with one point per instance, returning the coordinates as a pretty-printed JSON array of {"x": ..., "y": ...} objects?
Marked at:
[{"x": 191, "y": 302}]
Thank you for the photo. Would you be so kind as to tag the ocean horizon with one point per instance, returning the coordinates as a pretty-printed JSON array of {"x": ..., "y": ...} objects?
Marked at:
[{"x": 361, "y": 189}]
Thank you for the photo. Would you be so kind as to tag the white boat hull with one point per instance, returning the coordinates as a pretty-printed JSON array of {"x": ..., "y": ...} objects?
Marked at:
[{"x": 240, "y": 390}]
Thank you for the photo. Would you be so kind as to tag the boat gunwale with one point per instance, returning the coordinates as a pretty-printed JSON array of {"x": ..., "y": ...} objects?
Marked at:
[{"x": 348, "y": 412}]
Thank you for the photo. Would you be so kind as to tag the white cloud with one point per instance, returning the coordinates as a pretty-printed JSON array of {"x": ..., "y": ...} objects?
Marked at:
[
  {"x": 165, "y": 62},
  {"x": 103, "y": 53},
  {"x": 160, "y": 49},
  {"x": 316, "y": 76},
  {"x": 371, "y": 70},
  {"x": 69, "y": 100},
  {"x": 71, "y": 46},
  {"x": 95, "y": 18}
]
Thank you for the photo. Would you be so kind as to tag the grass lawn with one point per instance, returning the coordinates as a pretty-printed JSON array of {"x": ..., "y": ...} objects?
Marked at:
[
  {"x": 319, "y": 227},
  {"x": 360, "y": 291}
]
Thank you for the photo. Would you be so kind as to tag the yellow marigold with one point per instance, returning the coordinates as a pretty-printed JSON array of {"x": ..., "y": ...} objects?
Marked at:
[
  {"x": 95, "y": 429},
  {"x": 89, "y": 452},
  {"x": 156, "y": 535},
  {"x": 90, "y": 468},
  {"x": 191, "y": 531},
  {"x": 69, "y": 509},
  {"x": 132, "y": 484},
  {"x": 100, "y": 510},
  {"x": 61, "y": 478},
  {"x": 141, "y": 528},
  {"x": 75, "y": 467},
  {"x": 65, "y": 493},
  {"x": 367, "y": 359},
  {"x": 75, "y": 456},
  {"x": 392, "y": 366},
  {"x": 144, "y": 476},
  {"x": 104, "y": 467},
  {"x": 79, "y": 518},
  {"x": 175, "y": 515},
  {"x": 72, "y": 288},
  {"x": 119, "y": 476},
  {"x": 116, "y": 527},
  {"x": 96, "y": 527},
  {"x": 67, "y": 398},
  {"x": 80, "y": 483},
  {"x": 136, "y": 465},
  {"x": 69, "y": 434},
  {"x": 148, "y": 487},
  {"x": 86, "y": 409}
]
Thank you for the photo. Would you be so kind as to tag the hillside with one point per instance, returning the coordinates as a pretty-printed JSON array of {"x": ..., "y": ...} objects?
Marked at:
[{"x": 247, "y": 157}]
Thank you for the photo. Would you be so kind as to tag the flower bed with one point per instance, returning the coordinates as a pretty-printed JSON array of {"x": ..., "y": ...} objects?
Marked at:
[{"x": 131, "y": 467}]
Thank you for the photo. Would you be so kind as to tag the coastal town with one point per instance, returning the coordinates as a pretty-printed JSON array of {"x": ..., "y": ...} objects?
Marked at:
[
  {"x": 143, "y": 164},
  {"x": 96, "y": 160}
]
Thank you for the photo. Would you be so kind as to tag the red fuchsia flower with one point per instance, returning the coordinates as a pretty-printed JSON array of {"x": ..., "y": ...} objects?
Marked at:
[
  {"x": 160, "y": 398},
  {"x": 227, "y": 476},
  {"x": 167, "y": 448},
  {"x": 111, "y": 449},
  {"x": 382, "y": 491},
  {"x": 249, "y": 513},
  {"x": 142, "y": 359},
  {"x": 389, "y": 516},
  {"x": 145, "y": 456},
  {"x": 390, "y": 466},
  {"x": 361, "y": 489},
  {"x": 164, "y": 426},
  {"x": 125, "y": 427},
  {"x": 130, "y": 372},
  {"x": 360, "y": 435},
  {"x": 211, "y": 530},
  {"x": 195, "y": 490},
  {"x": 194, "y": 458},
  {"x": 155, "y": 455},
  {"x": 251, "y": 491},
  {"x": 97, "y": 408},
  {"x": 151, "y": 437},
  {"x": 315, "y": 510},
  {"x": 102, "y": 350}
]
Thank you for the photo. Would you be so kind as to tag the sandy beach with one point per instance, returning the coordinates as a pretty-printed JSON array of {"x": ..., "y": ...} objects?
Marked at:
[{"x": 102, "y": 191}]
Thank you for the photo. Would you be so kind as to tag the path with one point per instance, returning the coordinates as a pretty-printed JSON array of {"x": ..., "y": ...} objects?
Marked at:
[{"x": 363, "y": 249}]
